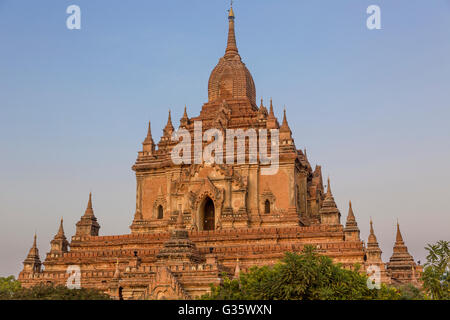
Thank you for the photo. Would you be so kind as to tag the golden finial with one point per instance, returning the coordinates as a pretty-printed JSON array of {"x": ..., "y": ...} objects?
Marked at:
[{"x": 231, "y": 13}]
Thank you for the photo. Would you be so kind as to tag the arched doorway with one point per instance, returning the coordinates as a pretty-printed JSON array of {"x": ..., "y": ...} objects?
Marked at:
[
  {"x": 267, "y": 206},
  {"x": 208, "y": 215},
  {"x": 160, "y": 212}
]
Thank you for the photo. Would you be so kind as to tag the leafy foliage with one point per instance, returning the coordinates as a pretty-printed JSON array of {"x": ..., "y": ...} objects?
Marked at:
[
  {"x": 435, "y": 277},
  {"x": 410, "y": 292},
  {"x": 8, "y": 287},
  {"x": 11, "y": 289},
  {"x": 305, "y": 276}
]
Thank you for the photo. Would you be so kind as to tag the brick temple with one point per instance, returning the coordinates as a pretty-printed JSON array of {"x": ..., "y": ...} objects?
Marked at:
[{"x": 193, "y": 222}]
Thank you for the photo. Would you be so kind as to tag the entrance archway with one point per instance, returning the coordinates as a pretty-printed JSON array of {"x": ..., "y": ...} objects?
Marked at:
[{"x": 208, "y": 215}]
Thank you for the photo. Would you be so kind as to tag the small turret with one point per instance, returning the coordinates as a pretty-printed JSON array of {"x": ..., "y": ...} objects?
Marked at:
[
  {"x": 286, "y": 140},
  {"x": 32, "y": 263},
  {"x": 148, "y": 144},
  {"x": 373, "y": 256},
  {"x": 373, "y": 250},
  {"x": 329, "y": 213},
  {"x": 272, "y": 122},
  {"x": 401, "y": 265},
  {"x": 59, "y": 244},
  {"x": 179, "y": 249},
  {"x": 88, "y": 225},
  {"x": 184, "y": 121},
  {"x": 262, "y": 111},
  {"x": 168, "y": 129},
  {"x": 284, "y": 125},
  {"x": 400, "y": 250},
  {"x": 351, "y": 230}
]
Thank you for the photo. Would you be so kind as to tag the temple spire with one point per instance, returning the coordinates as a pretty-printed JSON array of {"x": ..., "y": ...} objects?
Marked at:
[
  {"x": 61, "y": 229},
  {"x": 329, "y": 194},
  {"x": 272, "y": 122},
  {"x": 284, "y": 116},
  {"x": 149, "y": 137},
  {"x": 169, "y": 120},
  {"x": 33, "y": 254},
  {"x": 230, "y": 78},
  {"x": 271, "y": 109},
  {"x": 168, "y": 129},
  {"x": 351, "y": 215},
  {"x": 184, "y": 121},
  {"x": 32, "y": 262},
  {"x": 329, "y": 213},
  {"x": 149, "y": 132},
  {"x": 34, "y": 242},
  {"x": 351, "y": 229},
  {"x": 231, "y": 50},
  {"x": 398, "y": 238},
  {"x": 230, "y": 12},
  {"x": 401, "y": 265},
  {"x": 285, "y": 131},
  {"x": 284, "y": 124},
  {"x": 373, "y": 250},
  {"x": 88, "y": 225},
  {"x": 89, "y": 210},
  {"x": 372, "y": 240},
  {"x": 148, "y": 144},
  {"x": 59, "y": 244}
]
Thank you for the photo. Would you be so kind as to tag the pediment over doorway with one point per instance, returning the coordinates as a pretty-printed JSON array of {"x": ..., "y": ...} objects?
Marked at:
[
  {"x": 197, "y": 173},
  {"x": 165, "y": 286}
]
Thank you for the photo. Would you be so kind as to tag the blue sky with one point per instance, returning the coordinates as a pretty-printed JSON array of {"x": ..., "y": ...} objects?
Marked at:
[{"x": 371, "y": 106}]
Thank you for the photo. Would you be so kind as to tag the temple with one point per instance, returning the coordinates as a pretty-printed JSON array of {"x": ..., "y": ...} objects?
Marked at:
[{"x": 194, "y": 222}]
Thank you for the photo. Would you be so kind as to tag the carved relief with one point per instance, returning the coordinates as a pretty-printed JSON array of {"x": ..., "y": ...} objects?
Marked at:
[{"x": 223, "y": 116}]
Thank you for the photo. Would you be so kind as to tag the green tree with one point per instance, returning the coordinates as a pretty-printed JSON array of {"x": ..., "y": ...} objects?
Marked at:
[
  {"x": 410, "y": 292},
  {"x": 305, "y": 276},
  {"x": 11, "y": 289},
  {"x": 8, "y": 287},
  {"x": 435, "y": 277}
]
